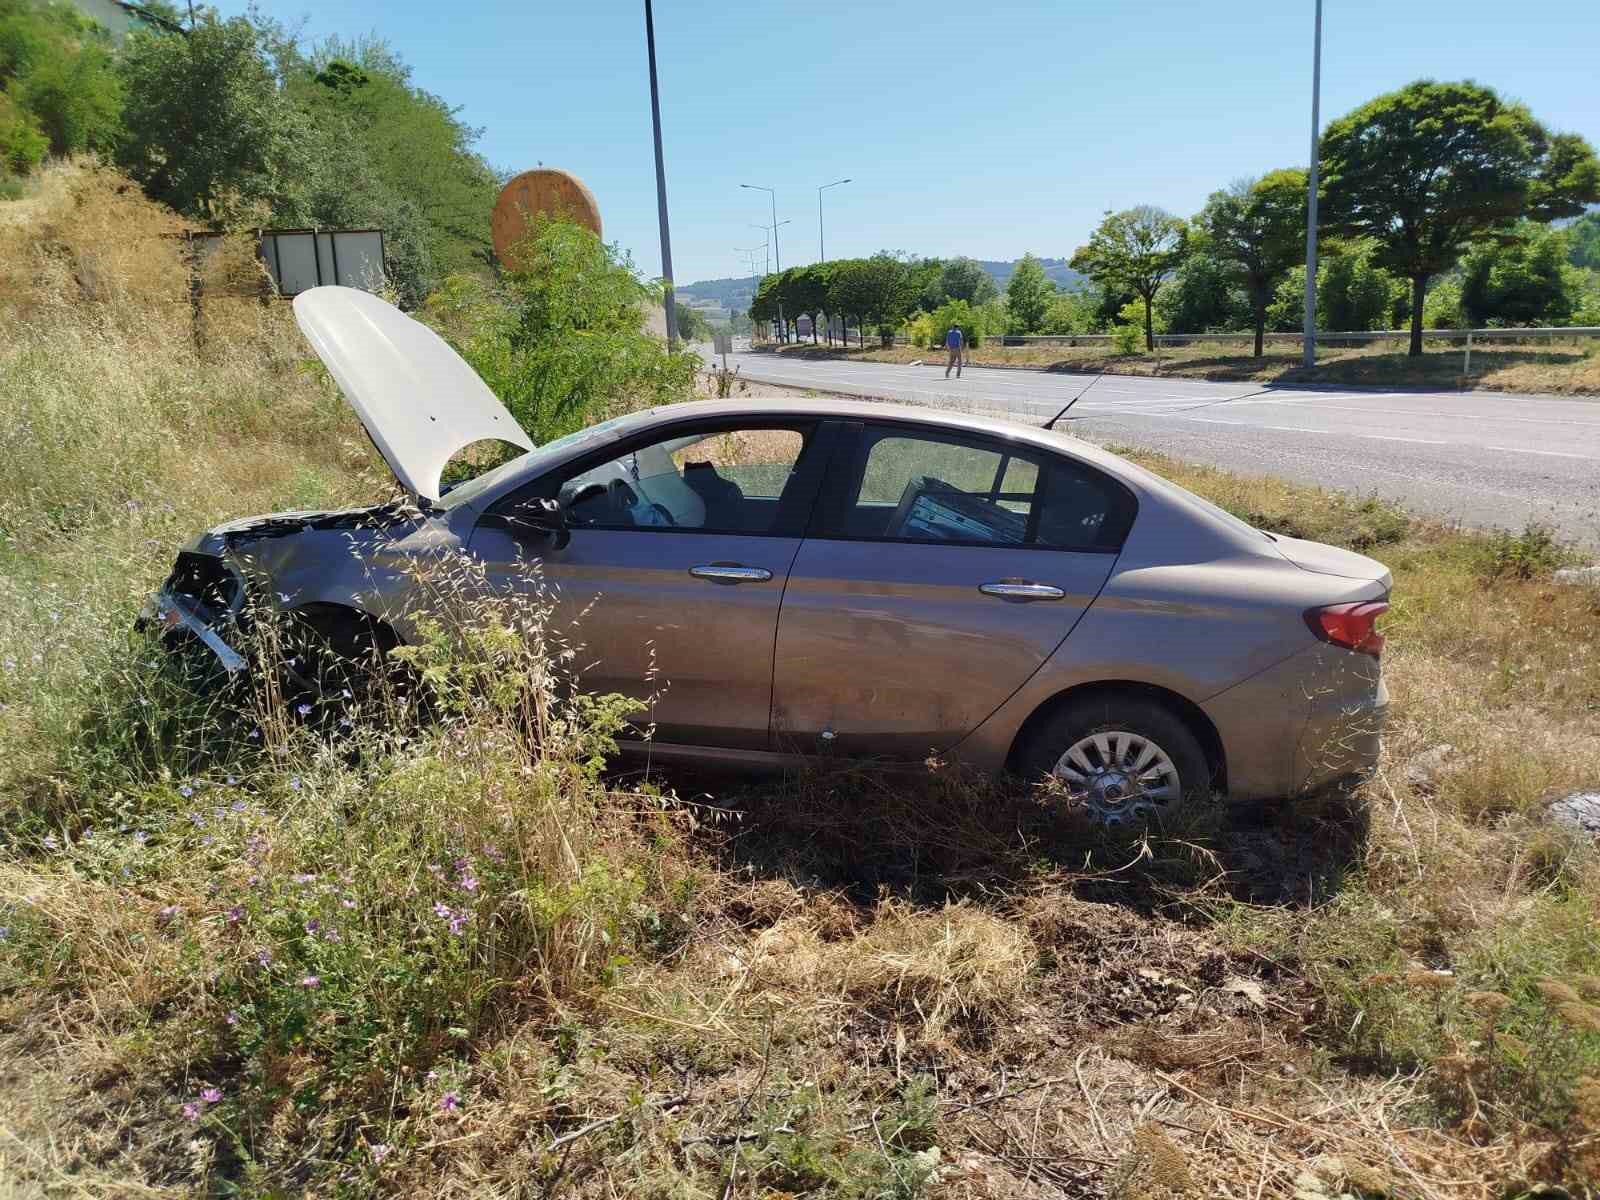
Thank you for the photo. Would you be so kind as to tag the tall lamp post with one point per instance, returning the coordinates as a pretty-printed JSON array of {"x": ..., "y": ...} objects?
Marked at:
[
  {"x": 773, "y": 196},
  {"x": 1310, "y": 358},
  {"x": 668, "y": 299},
  {"x": 822, "y": 252}
]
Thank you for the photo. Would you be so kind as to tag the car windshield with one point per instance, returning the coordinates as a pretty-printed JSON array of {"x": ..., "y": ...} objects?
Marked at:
[{"x": 465, "y": 493}]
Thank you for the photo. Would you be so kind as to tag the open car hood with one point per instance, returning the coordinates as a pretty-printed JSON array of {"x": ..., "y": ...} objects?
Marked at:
[{"x": 420, "y": 402}]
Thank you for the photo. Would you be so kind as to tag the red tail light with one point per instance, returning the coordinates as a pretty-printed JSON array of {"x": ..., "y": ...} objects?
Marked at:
[{"x": 1353, "y": 626}]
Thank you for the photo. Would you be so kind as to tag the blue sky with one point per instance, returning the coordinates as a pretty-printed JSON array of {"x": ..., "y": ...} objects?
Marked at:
[{"x": 981, "y": 129}]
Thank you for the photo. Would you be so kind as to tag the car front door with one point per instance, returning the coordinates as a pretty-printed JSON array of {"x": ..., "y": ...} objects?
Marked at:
[
  {"x": 940, "y": 571},
  {"x": 669, "y": 586}
]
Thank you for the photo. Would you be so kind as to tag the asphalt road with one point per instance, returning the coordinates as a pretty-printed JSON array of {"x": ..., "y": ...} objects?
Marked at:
[{"x": 1483, "y": 459}]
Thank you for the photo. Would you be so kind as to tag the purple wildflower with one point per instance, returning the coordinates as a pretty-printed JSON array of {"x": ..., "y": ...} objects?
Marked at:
[
  {"x": 442, "y": 910},
  {"x": 311, "y": 981},
  {"x": 232, "y": 1018},
  {"x": 191, "y": 1111},
  {"x": 238, "y": 806},
  {"x": 379, "y": 1151},
  {"x": 347, "y": 902},
  {"x": 294, "y": 783},
  {"x": 231, "y": 781},
  {"x": 450, "y": 1103},
  {"x": 185, "y": 791},
  {"x": 467, "y": 883},
  {"x": 264, "y": 958},
  {"x": 458, "y": 923},
  {"x": 197, "y": 820},
  {"x": 305, "y": 878},
  {"x": 168, "y": 914},
  {"x": 50, "y": 842},
  {"x": 303, "y": 709},
  {"x": 331, "y": 935},
  {"x": 141, "y": 836},
  {"x": 235, "y": 914},
  {"x": 313, "y": 925},
  {"x": 211, "y": 1095}
]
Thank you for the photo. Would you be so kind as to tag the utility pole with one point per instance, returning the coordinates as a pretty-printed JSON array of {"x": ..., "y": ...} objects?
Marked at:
[
  {"x": 1310, "y": 358},
  {"x": 668, "y": 300},
  {"x": 822, "y": 251}
]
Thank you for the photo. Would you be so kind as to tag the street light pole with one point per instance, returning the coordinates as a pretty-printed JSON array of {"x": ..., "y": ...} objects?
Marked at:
[
  {"x": 822, "y": 252},
  {"x": 668, "y": 300},
  {"x": 1310, "y": 356}
]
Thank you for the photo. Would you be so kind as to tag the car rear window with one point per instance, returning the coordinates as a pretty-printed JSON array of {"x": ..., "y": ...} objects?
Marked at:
[{"x": 946, "y": 488}]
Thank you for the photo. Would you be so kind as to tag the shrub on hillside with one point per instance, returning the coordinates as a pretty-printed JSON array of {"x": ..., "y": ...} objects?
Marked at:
[
  {"x": 22, "y": 142},
  {"x": 562, "y": 342}
]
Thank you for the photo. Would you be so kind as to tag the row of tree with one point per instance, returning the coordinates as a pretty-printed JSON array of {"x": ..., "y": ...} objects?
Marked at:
[
  {"x": 1433, "y": 182},
  {"x": 233, "y": 123}
]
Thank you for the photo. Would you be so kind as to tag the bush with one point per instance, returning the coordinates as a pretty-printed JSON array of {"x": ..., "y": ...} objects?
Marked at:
[
  {"x": 563, "y": 342},
  {"x": 22, "y": 142},
  {"x": 955, "y": 314},
  {"x": 1127, "y": 339}
]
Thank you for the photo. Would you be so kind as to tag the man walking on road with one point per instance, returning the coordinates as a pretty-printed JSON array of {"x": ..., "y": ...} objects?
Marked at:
[{"x": 953, "y": 342}]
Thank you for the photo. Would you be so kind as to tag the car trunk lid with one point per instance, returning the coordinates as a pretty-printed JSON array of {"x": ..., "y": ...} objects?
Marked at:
[
  {"x": 1321, "y": 559},
  {"x": 420, "y": 402}
]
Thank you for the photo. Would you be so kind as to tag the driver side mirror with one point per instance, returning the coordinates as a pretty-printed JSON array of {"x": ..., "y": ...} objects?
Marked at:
[
  {"x": 544, "y": 517},
  {"x": 549, "y": 518}
]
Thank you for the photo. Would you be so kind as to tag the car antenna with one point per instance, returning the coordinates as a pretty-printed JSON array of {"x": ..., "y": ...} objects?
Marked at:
[{"x": 1050, "y": 424}]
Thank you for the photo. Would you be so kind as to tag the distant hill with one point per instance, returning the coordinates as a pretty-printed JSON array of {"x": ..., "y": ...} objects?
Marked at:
[
  {"x": 735, "y": 294},
  {"x": 1063, "y": 276}
]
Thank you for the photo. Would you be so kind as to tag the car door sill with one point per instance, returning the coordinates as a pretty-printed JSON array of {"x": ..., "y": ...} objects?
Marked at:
[{"x": 750, "y": 760}]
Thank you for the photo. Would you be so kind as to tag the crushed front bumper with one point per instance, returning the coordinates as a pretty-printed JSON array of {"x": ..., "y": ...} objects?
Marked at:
[{"x": 174, "y": 614}]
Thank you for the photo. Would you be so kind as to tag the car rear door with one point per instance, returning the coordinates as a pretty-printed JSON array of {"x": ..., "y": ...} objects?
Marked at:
[
  {"x": 939, "y": 572},
  {"x": 681, "y": 542}
]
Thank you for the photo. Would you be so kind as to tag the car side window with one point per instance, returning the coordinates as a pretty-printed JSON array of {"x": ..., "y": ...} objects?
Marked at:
[
  {"x": 939, "y": 488},
  {"x": 726, "y": 481}
]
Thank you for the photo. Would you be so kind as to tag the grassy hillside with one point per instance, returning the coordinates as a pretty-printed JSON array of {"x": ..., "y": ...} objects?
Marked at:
[{"x": 453, "y": 959}]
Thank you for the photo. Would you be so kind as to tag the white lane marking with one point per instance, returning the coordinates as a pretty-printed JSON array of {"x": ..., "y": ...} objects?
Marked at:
[
  {"x": 1550, "y": 453},
  {"x": 1253, "y": 425},
  {"x": 1378, "y": 437}
]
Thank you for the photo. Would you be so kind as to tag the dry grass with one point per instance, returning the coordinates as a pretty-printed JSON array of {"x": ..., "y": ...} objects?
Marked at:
[{"x": 1569, "y": 366}]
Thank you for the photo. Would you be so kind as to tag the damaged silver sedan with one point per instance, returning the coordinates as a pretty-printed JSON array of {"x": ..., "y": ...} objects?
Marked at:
[{"x": 809, "y": 575}]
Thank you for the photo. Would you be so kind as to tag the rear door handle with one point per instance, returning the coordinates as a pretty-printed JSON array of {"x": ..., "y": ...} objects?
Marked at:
[
  {"x": 1021, "y": 589},
  {"x": 731, "y": 573}
]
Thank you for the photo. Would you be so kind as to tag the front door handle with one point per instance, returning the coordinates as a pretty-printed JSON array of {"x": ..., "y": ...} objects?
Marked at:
[
  {"x": 1021, "y": 589},
  {"x": 731, "y": 573}
]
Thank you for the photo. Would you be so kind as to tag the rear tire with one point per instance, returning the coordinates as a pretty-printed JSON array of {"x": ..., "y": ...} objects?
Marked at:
[{"x": 1117, "y": 758}]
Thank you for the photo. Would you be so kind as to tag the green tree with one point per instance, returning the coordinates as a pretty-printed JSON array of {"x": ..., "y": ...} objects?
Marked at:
[
  {"x": 1256, "y": 228},
  {"x": 955, "y": 314},
  {"x": 1069, "y": 312},
  {"x": 806, "y": 293},
  {"x": 416, "y": 156},
  {"x": 1428, "y": 170},
  {"x": 965, "y": 279},
  {"x": 1134, "y": 251},
  {"x": 207, "y": 129},
  {"x": 22, "y": 143},
  {"x": 877, "y": 291},
  {"x": 1520, "y": 282},
  {"x": 692, "y": 325},
  {"x": 1203, "y": 295},
  {"x": 1353, "y": 291},
  {"x": 1583, "y": 241},
  {"x": 76, "y": 98},
  {"x": 563, "y": 343},
  {"x": 1028, "y": 294}
]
